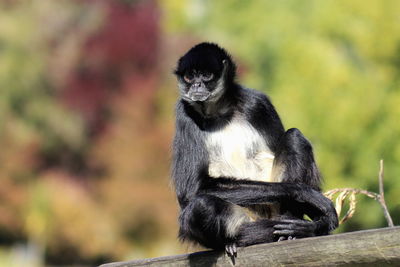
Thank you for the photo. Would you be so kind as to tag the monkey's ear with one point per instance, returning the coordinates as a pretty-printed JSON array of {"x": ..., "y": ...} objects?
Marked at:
[
  {"x": 177, "y": 72},
  {"x": 225, "y": 62}
]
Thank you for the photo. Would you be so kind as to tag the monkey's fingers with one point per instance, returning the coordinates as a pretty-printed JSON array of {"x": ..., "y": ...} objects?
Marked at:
[
  {"x": 300, "y": 226},
  {"x": 293, "y": 227},
  {"x": 292, "y": 233},
  {"x": 285, "y": 233},
  {"x": 299, "y": 231},
  {"x": 281, "y": 238},
  {"x": 298, "y": 222},
  {"x": 306, "y": 228}
]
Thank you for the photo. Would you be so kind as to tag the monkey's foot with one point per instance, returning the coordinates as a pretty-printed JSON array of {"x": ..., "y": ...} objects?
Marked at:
[
  {"x": 281, "y": 238},
  {"x": 292, "y": 229},
  {"x": 231, "y": 250}
]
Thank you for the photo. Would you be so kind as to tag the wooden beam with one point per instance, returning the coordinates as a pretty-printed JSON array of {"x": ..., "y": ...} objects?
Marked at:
[{"x": 377, "y": 247}]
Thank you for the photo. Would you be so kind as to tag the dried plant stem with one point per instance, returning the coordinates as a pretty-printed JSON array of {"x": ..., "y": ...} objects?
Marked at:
[
  {"x": 351, "y": 210},
  {"x": 382, "y": 196},
  {"x": 344, "y": 192},
  {"x": 353, "y": 190}
]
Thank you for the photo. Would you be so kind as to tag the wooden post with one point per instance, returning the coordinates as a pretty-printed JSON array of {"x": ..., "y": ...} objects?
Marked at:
[{"x": 377, "y": 247}]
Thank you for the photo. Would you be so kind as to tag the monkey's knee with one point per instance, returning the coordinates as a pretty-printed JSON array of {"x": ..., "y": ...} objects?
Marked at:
[
  {"x": 295, "y": 141},
  {"x": 294, "y": 160},
  {"x": 293, "y": 146}
]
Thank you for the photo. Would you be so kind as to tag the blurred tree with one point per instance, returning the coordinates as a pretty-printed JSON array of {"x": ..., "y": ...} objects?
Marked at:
[
  {"x": 82, "y": 131},
  {"x": 86, "y": 96},
  {"x": 29, "y": 115},
  {"x": 34, "y": 125}
]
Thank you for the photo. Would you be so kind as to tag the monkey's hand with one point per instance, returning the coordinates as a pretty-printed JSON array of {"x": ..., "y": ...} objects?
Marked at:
[
  {"x": 289, "y": 229},
  {"x": 320, "y": 209}
]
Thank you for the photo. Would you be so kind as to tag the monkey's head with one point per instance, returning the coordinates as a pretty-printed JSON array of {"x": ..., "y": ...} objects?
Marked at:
[{"x": 204, "y": 73}]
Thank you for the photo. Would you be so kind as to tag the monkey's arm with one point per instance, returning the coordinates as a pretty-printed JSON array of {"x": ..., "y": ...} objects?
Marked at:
[
  {"x": 245, "y": 193},
  {"x": 189, "y": 157}
]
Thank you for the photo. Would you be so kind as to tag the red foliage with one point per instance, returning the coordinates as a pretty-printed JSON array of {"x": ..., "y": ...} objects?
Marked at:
[
  {"x": 130, "y": 38},
  {"x": 117, "y": 59}
]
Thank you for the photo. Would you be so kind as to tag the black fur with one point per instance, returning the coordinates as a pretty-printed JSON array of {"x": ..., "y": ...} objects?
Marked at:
[
  {"x": 199, "y": 56},
  {"x": 208, "y": 204}
]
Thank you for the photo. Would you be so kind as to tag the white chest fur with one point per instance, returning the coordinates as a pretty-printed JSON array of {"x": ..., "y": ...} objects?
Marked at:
[{"x": 239, "y": 151}]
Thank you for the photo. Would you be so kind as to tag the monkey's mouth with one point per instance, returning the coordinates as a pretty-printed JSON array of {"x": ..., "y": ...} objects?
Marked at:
[{"x": 199, "y": 96}]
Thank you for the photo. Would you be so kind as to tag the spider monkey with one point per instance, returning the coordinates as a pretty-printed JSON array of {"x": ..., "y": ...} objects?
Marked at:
[{"x": 240, "y": 178}]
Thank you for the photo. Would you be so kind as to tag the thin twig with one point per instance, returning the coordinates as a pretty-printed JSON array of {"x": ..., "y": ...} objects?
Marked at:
[{"x": 382, "y": 196}]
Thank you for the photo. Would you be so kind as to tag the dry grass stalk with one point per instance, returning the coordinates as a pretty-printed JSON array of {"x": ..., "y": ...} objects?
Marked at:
[{"x": 352, "y": 192}]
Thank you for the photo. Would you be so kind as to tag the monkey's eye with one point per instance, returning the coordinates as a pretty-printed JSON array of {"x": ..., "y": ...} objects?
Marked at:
[
  {"x": 188, "y": 78},
  {"x": 207, "y": 76}
]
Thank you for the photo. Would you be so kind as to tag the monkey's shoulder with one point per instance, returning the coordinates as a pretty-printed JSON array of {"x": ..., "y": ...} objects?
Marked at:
[
  {"x": 183, "y": 113},
  {"x": 253, "y": 97},
  {"x": 253, "y": 93},
  {"x": 255, "y": 103}
]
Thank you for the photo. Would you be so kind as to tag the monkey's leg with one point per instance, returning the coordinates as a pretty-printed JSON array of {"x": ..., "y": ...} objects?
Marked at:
[
  {"x": 297, "y": 196},
  {"x": 294, "y": 163},
  {"x": 211, "y": 221},
  {"x": 218, "y": 224}
]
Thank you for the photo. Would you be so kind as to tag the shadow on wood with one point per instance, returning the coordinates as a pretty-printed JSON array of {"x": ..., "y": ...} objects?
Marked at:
[{"x": 378, "y": 247}]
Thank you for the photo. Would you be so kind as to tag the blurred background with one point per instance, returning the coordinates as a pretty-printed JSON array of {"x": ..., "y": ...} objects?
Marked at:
[{"x": 87, "y": 112}]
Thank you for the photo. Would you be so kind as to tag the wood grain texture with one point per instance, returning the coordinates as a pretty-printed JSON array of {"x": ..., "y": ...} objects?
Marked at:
[{"x": 378, "y": 247}]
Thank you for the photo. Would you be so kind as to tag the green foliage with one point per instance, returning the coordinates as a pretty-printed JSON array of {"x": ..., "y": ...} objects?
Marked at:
[
  {"x": 26, "y": 97},
  {"x": 332, "y": 70}
]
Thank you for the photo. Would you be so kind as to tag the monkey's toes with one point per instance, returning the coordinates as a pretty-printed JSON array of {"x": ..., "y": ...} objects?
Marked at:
[{"x": 231, "y": 250}]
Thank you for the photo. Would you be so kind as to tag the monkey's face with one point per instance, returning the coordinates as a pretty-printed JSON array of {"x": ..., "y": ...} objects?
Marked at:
[
  {"x": 203, "y": 73},
  {"x": 196, "y": 85}
]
